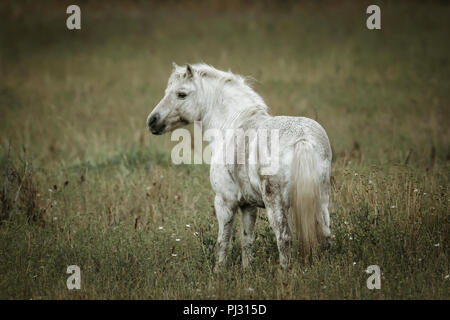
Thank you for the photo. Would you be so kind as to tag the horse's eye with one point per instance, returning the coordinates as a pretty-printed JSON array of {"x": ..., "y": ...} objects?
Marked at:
[{"x": 181, "y": 95}]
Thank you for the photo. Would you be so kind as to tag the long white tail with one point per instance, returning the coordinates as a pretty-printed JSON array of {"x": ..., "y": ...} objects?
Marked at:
[{"x": 305, "y": 198}]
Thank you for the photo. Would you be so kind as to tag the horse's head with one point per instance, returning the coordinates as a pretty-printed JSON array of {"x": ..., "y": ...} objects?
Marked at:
[{"x": 179, "y": 105}]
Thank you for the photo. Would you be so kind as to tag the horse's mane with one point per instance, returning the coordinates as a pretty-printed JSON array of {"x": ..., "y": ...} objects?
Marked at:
[
  {"x": 249, "y": 105},
  {"x": 206, "y": 71}
]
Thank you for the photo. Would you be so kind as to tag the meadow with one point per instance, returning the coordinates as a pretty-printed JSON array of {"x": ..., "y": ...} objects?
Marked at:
[{"x": 84, "y": 183}]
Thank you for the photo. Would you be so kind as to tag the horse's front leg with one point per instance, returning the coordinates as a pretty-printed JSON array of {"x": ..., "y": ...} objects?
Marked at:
[
  {"x": 225, "y": 211},
  {"x": 247, "y": 227}
]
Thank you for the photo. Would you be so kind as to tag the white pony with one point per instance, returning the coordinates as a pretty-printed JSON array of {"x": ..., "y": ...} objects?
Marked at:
[{"x": 222, "y": 100}]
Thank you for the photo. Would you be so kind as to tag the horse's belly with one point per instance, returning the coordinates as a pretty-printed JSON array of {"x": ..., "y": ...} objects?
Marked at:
[{"x": 249, "y": 185}]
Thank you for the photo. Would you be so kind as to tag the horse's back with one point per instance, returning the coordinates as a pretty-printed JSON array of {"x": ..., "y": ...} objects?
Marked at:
[{"x": 293, "y": 129}]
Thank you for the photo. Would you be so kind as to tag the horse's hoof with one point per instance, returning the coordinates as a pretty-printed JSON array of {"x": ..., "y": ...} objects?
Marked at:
[
  {"x": 247, "y": 267},
  {"x": 327, "y": 243},
  {"x": 218, "y": 269}
]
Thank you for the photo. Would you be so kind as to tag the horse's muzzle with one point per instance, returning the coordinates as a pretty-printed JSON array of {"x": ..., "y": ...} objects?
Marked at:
[
  {"x": 159, "y": 130},
  {"x": 154, "y": 126}
]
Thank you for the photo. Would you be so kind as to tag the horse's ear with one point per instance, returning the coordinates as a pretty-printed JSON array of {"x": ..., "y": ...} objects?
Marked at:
[
  {"x": 174, "y": 65},
  {"x": 189, "y": 71}
]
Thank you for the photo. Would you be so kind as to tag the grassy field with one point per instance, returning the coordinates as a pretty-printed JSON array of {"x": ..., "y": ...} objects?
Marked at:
[{"x": 84, "y": 183}]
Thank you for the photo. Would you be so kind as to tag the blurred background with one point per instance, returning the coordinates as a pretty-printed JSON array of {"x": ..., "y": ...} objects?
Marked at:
[{"x": 69, "y": 94}]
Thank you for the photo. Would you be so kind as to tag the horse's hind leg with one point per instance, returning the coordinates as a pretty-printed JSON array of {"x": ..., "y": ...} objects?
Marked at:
[
  {"x": 225, "y": 211},
  {"x": 279, "y": 223},
  {"x": 247, "y": 226},
  {"x": 277, "y": 213}
]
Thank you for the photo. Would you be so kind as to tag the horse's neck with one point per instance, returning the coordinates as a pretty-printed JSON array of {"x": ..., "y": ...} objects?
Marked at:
[{"x": 235, "y": 110}]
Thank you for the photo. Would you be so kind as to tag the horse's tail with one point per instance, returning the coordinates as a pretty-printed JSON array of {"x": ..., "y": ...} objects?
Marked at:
[{"x": 305, "y": 198}]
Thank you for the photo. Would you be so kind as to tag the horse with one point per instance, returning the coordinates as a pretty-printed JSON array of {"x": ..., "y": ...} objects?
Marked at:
[{"x": 295, "y": 196}]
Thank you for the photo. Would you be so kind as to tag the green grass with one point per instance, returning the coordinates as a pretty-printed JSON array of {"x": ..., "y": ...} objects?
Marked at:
[{"x": 84, "y": 183}]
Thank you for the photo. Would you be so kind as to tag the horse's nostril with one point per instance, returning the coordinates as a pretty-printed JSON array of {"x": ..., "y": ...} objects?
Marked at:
[{"x": 153, "y": 119}]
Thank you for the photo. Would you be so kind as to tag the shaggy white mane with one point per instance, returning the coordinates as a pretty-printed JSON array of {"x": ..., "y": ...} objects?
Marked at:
[
  {"x": 206, "y": 71},
  {"x": 219, "y": 87}
]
